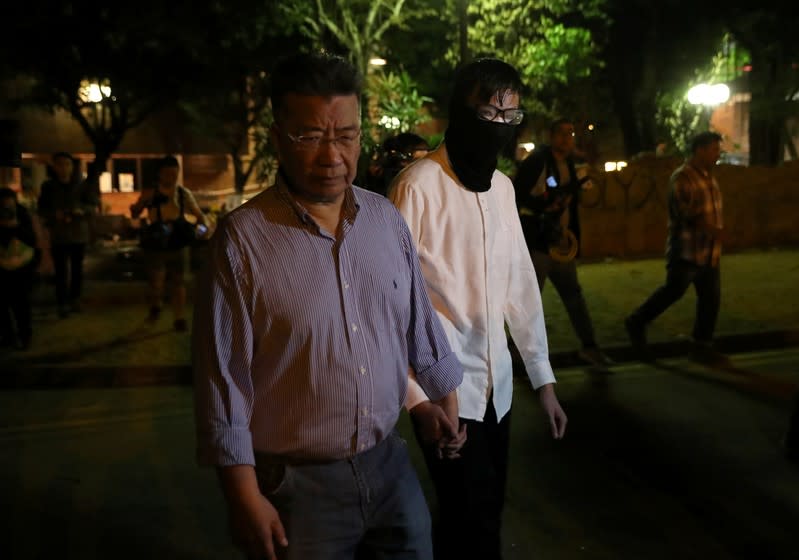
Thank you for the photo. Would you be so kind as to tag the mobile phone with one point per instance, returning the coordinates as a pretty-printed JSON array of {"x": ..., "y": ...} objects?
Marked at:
[
  {"x": 552, "y": 182},
  {"x": 202, "y": 229}
]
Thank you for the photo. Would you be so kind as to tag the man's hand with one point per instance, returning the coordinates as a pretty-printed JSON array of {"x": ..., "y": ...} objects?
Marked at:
[
  {"x": 549, "y": 402},
  {"x": 437, "y": 423},
  {"x": 254, "y": 522},
  {"x": 256, "y": 528}
]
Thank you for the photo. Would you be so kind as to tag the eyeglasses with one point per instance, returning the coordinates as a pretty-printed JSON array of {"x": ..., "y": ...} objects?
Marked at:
[
  {"x": 313, "y": 142},
  {"x": 512, "y": 116}
]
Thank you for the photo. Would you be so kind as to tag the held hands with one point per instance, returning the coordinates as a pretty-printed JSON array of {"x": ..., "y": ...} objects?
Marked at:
[
  {"x": 438, "y": 423},
  {"x": 557, "y": 418}
]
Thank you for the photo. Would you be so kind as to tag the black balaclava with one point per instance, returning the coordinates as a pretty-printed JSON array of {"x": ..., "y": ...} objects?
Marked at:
[{"x": 473, "y": 145}]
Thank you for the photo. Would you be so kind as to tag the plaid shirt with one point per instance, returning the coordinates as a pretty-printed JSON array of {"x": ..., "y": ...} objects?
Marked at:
[{"x": 694, "y": 212}]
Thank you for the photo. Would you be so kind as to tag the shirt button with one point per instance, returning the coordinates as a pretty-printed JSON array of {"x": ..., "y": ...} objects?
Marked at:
[
  {"x": 363, "y": 446},
  {"x": 354, "y": 327},
  {"x": 346, "y": 286},
  {"x": 363, "y": 370}
]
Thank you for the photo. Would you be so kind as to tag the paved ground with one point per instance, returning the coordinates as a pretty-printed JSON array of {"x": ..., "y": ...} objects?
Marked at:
[
  {"x": 664, "y": 460},
  {"x": 670, "y": 460}
]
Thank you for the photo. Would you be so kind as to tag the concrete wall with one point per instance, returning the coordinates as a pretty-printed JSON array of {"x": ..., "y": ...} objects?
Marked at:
[{"x": 625, "y": 213}]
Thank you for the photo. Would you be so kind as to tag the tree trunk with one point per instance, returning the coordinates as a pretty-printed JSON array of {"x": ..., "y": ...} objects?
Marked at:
[{"x": 765, "y": 118}]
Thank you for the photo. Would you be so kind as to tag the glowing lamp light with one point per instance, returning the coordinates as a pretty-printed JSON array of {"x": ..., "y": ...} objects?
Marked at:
[
  {"x": 390, "y": 123},
  {"x": 377, "y": 61},
  {"x": 91, "y": 92},
  {"x": 615, "y": 166},
  {"x": 528, "y": 147},
  {"x": 705, "y": 94},
  {"x": 590, "y": 127}
]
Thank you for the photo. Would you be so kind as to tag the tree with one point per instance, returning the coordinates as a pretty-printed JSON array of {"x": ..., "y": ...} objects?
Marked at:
[
  {"x": 357, "y": 25},
  {"x": 109, "y": 65},
  {"x": 551, "y": 42},
  {"x": 653, "y": 48},
  {"x": 229, "y": 99},
  {"x": 768, "y": 31}
]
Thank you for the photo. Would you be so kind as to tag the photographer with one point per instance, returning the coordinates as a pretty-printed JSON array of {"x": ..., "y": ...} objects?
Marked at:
[
  {"x": 396, "y": 153},
  {"x": 166, "y": 254},
  {"x": 547, "y": 194},
  {"x": 66, "y": 203}
]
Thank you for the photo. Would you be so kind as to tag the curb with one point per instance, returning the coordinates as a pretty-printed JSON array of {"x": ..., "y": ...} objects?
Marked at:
[{"x": 59, "y": 377}]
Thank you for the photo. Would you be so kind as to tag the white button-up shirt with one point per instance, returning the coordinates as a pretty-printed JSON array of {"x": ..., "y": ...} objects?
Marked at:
[{"x": 479, "y": 276}]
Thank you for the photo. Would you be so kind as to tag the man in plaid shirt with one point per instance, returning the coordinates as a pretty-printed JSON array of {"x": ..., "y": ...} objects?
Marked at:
[{"x": 693, "y": 248}]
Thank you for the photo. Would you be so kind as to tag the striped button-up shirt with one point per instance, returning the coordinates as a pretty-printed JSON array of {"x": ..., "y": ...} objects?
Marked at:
[
  {"x": 302, "y": 341},
  {"x": 695, "y": 211}
]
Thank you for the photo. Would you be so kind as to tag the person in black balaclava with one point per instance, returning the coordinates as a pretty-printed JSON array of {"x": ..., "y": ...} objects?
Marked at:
[{"x": 461, "y": 213}]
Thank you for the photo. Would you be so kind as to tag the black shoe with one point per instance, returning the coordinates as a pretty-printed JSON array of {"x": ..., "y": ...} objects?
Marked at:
[
  {"x": 180, "y": 325},
  {"x": 154, "y": 314}
]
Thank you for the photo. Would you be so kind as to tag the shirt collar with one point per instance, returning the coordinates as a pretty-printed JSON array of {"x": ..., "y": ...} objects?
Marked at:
[{"x": 350, "y": 206}]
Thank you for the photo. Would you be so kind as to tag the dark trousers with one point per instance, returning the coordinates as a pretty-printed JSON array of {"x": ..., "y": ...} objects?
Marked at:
[
  {"x": 68, "y": 264},
  {"x": 471, "y": 491},
  {"x": 564, "y": 277},
  {"x": 680, "y": 275},
  {"x": 15, "y": 304}
]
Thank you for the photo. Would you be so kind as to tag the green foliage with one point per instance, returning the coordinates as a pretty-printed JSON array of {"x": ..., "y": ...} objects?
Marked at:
[
  {"x": 550, "y": 42},
  {"x": 399, "y": 103},
  {"x": 356, "y": 25},
  {"x": 676, "y": 117}
]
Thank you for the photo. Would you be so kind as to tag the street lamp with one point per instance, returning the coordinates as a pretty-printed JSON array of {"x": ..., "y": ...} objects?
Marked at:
[
  {"x": 708, "y": 95},
  {"x": 92, "y": 92},
  {"x": 377, "y": 61}
]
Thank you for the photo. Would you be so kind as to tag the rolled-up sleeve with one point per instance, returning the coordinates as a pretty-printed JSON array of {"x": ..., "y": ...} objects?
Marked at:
[
  {"x": 222, "y": 350},
  {"x": 438, "y": 370}
]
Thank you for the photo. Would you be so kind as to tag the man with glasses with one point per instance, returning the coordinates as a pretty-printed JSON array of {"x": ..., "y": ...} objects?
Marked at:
[
  {"x": 462, "y": 214},
  {"x": 310, "y": 312},
  {"x": 547, "y": 193}
]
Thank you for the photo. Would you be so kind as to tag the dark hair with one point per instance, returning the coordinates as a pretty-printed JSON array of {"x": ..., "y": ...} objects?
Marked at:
[
  {"x": 488, "y": 75},
  {"x": 65, "y": 155},
  {"x": 168, "y": 161},
  {"x": 404, "y": 141},
  {"x": 320, "y": 74},
  {"x": 704, "y": 139},
  {"x": 6, "y": 193},
  {"x": 557, "y": 123}
]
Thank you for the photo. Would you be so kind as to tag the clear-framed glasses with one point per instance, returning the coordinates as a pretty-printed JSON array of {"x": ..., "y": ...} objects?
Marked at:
[
  {"x": 313, "y": 141},
  {"x": 511, "y": 116}
]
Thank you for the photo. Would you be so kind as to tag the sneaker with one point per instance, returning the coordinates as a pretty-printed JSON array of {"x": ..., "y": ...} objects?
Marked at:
[
  {"x": 180, "y": 325},
  {"x": 155, "y": 313},
  {"x": 594, "y": 356}
]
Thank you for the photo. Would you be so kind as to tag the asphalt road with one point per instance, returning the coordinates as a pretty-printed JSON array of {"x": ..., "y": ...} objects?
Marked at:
[{"x": 665, "y": 460}]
